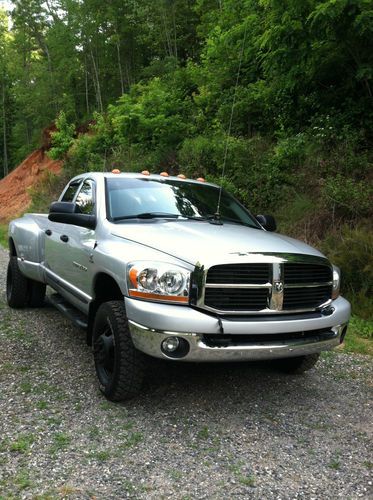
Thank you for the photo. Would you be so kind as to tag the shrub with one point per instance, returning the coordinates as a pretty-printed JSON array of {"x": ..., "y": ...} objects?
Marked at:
[
  {"x": 63, "y": 138},
  {"x": 352, "y": 250},
  {"x": 347, "y": 196}
]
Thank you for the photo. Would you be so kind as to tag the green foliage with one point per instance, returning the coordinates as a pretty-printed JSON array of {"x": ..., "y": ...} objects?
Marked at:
[
  {"x": 352, "y": 250},
  {"x": 62, "y": 139},
  {"x": 348, "y": 196},
  {"x": 363, "y": 328},
  {"x": 4, "y": 235},
  {"x": 151, "y": 115}
]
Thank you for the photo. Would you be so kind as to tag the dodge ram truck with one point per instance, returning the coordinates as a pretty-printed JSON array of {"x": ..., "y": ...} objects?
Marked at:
[{"x": 178, "y": 269}]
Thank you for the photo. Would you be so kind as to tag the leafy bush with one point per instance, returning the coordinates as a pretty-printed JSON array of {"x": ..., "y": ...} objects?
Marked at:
[
  {"x": 348, "y": 196},
  {"x": 352, "y": 250},
  {"x": 63, "y": 138}
]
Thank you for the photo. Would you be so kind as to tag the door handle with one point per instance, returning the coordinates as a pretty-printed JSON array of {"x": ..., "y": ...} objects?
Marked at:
[
  {"x": 64, "y": 238},
  {"x": 48, "y": 232}
]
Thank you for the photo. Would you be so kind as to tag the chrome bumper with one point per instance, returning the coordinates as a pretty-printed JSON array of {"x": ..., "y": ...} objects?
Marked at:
[{"x": 149, "y": 341}]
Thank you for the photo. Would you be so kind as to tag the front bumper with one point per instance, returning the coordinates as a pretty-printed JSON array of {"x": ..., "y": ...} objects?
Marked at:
[{"x": 151, "y": 323}]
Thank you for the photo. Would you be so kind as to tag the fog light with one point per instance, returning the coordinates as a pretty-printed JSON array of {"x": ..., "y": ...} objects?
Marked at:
[{"x": 170, "y": 344}]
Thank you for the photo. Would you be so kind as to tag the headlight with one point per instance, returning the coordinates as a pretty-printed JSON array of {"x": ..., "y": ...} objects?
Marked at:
[
  {"x": 158, "y": 281},
  {"x": 336, "y": 282}
]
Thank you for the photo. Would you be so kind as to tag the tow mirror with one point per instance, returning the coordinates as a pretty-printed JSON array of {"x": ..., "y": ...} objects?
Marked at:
[
  {"x": 267, "y": 221},
  {"x": 69, "y": 213}
]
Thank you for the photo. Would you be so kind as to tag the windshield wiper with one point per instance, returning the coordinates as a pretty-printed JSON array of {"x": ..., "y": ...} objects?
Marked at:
[{"x": 147, "y": 215}]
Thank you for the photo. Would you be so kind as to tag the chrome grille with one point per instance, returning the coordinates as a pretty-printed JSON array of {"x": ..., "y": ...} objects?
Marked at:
[{"x": 272, "y": 287}]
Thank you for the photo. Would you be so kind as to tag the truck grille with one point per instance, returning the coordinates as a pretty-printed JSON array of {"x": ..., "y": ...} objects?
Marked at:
[
  {"x": 239, "y": 300},
  {"x": 239, "y": 273},
  {"x": 272, "y": 287}
]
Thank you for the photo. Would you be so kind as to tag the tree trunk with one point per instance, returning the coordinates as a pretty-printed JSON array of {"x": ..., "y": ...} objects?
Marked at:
[
  {"x": 5, "y": 165},
  {"x": 98, "y": 87},
  {"x": 120, "y": 66}
]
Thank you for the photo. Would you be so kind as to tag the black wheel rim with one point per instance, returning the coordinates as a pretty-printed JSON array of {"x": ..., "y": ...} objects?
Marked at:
[{"x": 104, "y": 355}]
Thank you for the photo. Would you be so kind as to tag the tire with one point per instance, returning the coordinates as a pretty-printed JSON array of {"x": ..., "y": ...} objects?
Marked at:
[
  {"x": 119, "y": 365},
  {"x": 36, "y": 293},
  {"x": 17, "y": 286},
  {"x": 297, "y": 365}
]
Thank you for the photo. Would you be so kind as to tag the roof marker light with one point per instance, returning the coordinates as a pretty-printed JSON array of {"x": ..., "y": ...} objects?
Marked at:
[
  {"x": 145, "y": 172},
  {"x": 164, "y": 174},
  {"x": 115, "y": 171},
  {"x": 201, "y": 179},
  {"x": 181, "y": 176}
]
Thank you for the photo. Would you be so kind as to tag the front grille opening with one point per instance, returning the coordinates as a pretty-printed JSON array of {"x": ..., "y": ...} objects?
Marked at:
[
  {"x": 223, "y": 340},
  {"x": 300, "y": 298},
  {"x": 227, "y": 299},
  {"x": 257, "y": 274},
  {"x": 307, "y": 273}
]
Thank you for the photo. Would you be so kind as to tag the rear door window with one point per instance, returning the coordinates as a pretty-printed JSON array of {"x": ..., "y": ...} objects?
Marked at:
[{"x": 86, "y": 198}]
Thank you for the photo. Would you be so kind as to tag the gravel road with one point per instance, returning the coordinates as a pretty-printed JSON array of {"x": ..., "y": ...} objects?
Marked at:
[{"x": 197, "y": 431}]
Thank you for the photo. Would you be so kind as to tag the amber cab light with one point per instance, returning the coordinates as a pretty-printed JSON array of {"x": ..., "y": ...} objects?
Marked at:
[
  {"x": 164, "y": 174},
  {"x": 115, "y": 171}
]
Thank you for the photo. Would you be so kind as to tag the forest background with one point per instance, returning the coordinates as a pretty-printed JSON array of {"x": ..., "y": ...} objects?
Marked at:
[{"x": 286, "y": 86}]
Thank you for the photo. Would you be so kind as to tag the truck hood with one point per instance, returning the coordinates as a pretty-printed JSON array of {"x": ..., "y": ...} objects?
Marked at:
[{"x": 208, "y": 244}]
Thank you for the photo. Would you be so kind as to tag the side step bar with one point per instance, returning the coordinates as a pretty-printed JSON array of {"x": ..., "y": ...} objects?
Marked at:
[{"x": 74, "y": 315}]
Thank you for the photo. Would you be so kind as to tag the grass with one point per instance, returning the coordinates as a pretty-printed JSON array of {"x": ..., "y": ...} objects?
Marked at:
[
  {"x": 359, "y": 338},
  {"x": 60, "y": 442},
  {"x": 4, "y": 235},
  {"x": 22, "y": 444}
]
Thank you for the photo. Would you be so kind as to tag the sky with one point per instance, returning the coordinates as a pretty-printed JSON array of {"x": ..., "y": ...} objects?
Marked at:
[{"x": 6, "y": 4}]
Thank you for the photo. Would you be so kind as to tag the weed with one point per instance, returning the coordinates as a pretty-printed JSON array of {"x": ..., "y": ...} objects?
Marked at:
[
  {"x": 247, "y": 480},
  {"x": 4, "y": 235},
  {"x": 25, "y": 387},
  {"x": 22, "y": 480},
  {"x": 203, "y": 433},
  {"x": 368, "y": 464},
  {"x": 22, "y": 444},
  {"x": 175, "y": 474},
  {"x": 60, "y": 441},
  {"x": 41, "y": 405},
  {"x": 133, "y": 439},
  {"x": 100, "y": 455},
  {"x": 67, "y": 490}
]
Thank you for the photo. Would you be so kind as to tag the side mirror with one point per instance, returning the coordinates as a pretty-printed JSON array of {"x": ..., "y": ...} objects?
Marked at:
[
  {"x": 64, "y": 207},
  {"x": 69, "y": 213},
  {"x": 267, "y": 221}
]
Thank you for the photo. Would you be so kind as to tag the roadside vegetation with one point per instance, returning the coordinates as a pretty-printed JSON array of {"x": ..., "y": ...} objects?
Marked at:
[{"x": 285, "y": 88}]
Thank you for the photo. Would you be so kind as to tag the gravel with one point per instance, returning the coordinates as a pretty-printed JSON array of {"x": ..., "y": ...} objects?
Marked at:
[{"x": 196, "y": 431}]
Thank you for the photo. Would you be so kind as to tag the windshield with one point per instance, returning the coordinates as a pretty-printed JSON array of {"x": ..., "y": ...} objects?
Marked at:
[{"x": 130, "y": 198}]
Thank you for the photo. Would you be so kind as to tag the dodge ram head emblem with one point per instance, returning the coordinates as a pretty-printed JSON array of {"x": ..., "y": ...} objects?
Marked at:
[{"x": 279, "y": 286}]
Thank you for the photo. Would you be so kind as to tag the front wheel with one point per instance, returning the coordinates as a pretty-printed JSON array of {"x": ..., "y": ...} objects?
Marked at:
[
  {"x": 119, "y": 365},
  {"x": 298, "y": 364}
]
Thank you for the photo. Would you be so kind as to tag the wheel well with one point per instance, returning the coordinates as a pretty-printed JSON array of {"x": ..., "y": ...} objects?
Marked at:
[
  {"x": 105, "y": 289},
  {"x": 12, "y": 248}
]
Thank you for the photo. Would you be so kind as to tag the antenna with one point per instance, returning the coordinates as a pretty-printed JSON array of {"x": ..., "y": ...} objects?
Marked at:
[{"x": 217, "y": 215}]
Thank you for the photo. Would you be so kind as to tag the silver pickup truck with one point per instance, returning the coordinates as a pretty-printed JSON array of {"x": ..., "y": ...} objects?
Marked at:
[{"x": 178, "y": 269}]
